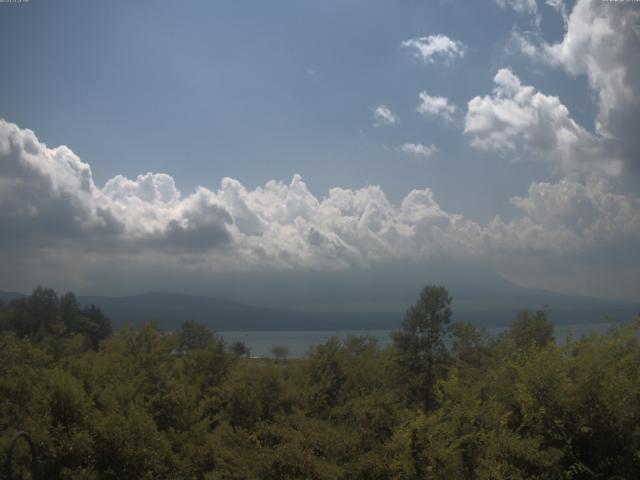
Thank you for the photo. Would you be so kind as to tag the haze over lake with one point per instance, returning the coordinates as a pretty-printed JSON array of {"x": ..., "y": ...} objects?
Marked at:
[{"x": 299, "y": 343}]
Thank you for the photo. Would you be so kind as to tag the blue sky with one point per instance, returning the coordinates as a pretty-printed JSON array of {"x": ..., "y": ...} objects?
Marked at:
[
  {"x": 203, "y": 90},
  {"x": 260, "y": 91}
]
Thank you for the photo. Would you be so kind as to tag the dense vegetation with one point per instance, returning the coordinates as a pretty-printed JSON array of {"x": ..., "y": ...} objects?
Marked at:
[{"x": 144, "y": 403}]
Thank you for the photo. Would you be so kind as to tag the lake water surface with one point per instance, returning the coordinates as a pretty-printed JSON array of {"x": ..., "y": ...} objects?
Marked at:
[{"x": 299, "y": 342}]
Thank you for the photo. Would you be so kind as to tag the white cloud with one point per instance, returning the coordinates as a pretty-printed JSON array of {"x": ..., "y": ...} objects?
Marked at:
[
  {"x": 150, "y": 187},
  {"x": 519, "y": 121},
  {"x": 530, "y": 8},
  {"x": 383, "y": 116},
  {"x": 47, "y": 191},
  {"x": 426, "y": 48},
  {"x": 418, "y": 149},
  {"x": 588, "y": 210},
  {"x": 602, "y": 41},
  {"x": 51, "y": 209},
  {"x": 574, "y": 236},
  {"x": 435, "y": 107},
  {"x": 527, "y": 7}
]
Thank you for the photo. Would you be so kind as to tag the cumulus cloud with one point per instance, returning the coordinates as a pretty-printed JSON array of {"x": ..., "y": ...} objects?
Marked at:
[
  {"x": 50, "y": 203},
  {"x": 426, "y": 48},
  {"x": 602, "y": 42},
  {"x": 49, "y": 194},
  {"x": 435, "y": 107},
  {"x": 383, "y": 116},
  {"x": 47, "y": 191},
  {"x": 418, "y": 149},
  {"x": 152, "y": 188},
  {"x": 517, "y": 120},
  {"x": 588, "y": 209},
  {"x": 571, "y": 216}
]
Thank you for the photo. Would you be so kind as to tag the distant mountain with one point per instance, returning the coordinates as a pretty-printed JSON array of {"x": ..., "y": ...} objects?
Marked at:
[
  {"x": 171, "y": 309},
  {"x": 8, "y": 296},
  {"x": 487, "y": 307}
]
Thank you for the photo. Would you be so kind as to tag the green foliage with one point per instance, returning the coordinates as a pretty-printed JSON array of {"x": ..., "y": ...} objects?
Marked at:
[
  {"x": 420, "y": 347},
  {"x": 470, "y": 344},
  {"x": 193, "y": 336},
  {"x": 240, "y": 349},
  {"x": 147, "y": 404},
  {"x": 252, "y": 395},
  {"x": 280, "y": 352},
  {"x": 531, "y": 330},
  {"x": 44, "y": 316}
]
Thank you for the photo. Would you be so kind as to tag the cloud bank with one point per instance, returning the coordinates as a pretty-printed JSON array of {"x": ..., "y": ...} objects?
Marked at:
[{"x": 50, "y": 203}]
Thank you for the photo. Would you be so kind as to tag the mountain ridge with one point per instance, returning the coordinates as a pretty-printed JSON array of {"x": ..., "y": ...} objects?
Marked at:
[{"x": 171, "y": 309}]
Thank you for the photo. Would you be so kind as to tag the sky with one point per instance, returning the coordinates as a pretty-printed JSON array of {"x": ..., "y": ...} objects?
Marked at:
[{"x": 155, "y": 145}]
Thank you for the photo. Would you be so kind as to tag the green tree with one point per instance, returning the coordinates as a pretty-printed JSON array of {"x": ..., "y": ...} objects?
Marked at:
[
  {"x": 33, "y": 316},
  {"x": 281, "y": 352},
  {"x": 43, "y": 311},
  {"x": 42, "y": 316},
  {"x": 69, "y": 310},
  {"x": 94, "y": 324},
  {"x": 420, "y": 343},
  {"x": 240, "y": 349},
  {"x": 469, "y": 343},
  {"x": 194, "y": 335},
  {"x": 325, "y": 377},
  {"x": 532, "y": 330},
  {"x": 251, "y": 394}
]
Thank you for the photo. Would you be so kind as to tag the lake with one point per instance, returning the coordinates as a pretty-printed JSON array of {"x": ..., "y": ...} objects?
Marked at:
[{"x": 299, "y": 342}]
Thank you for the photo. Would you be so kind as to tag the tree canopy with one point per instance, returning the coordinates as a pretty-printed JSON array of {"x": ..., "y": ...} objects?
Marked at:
[
  {"x": 420, "y": 345},
  {"x": 147, "y": 404}
]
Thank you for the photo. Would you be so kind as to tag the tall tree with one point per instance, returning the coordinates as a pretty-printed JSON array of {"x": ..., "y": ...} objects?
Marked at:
[
  {"x": 281, "y": 352},
  {"x": 420, "y": 343},
  {"x": 532, "y": 330},
  {"x": 194, "y": 335}
]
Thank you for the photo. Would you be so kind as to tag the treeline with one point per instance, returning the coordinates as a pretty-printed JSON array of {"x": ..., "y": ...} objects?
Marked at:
[
  {"x": 443, "y": 401},
  {"x": 44, "y": 316}
]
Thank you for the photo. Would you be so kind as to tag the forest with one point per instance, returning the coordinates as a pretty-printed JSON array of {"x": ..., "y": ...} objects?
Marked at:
[{"x": 445, "y": 400}]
